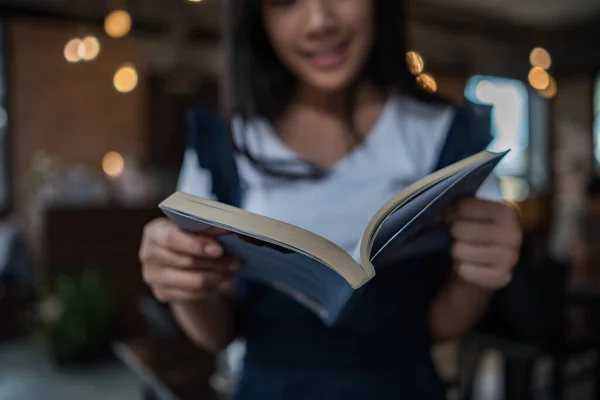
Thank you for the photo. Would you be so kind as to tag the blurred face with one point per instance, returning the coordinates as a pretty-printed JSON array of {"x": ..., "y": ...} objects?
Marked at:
[{"x": 325, "y": 43}]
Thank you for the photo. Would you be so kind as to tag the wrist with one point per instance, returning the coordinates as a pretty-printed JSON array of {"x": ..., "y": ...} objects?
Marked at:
[
  {"x": 186, "y": 305},
  {"x": 466, "y": 288}
]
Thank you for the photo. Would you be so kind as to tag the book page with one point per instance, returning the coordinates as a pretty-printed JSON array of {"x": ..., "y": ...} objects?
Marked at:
[
  {"x": 271, "y": 231},
  {"x": 426, "y": 230},
  {"x": 398, "y": 220},
  {"x": 410, "y": 192},
  {"x": 306, "y": 280}
]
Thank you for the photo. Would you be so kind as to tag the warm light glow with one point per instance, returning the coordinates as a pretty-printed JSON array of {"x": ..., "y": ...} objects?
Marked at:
[
  {"x": 427, "y": 82},
  {"x": 73, "y": 50},
  {"x": 126, "y": 79},
  {"x": 514, "y": 189},
  {"x": 540, "y": 57},
  {"x": 117, "y": 24},
  {"x": 91, "y": 48},
  {"x": 194, "y": 1},
  {"x": 415, "y": 62},
  {"x": 539, "y": 78},
  {"x": 551, "y": 90},
  {"x": 113, "y": 164}
]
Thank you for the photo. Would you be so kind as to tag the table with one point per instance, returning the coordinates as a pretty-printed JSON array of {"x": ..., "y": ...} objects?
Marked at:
[{"x": 169, "y": 369}]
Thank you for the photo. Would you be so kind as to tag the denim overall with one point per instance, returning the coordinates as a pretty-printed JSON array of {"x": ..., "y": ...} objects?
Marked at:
[{"x": 381, "y": 347}]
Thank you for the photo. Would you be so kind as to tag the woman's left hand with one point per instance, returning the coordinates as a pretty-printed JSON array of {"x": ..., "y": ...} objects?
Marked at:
[{"x": 487, "y": 239}]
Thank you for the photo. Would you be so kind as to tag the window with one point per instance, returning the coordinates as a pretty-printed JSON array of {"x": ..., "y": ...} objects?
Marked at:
[
  {"x": 5, "y": 193},
  {"x": 597, "y": 123},
  {"x": 510, "y": 119},
  {"x": 509, "y": 99}
]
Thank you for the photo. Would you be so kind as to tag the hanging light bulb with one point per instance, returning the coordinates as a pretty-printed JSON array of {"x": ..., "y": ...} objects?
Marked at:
[{"x": 117, "y": 24}]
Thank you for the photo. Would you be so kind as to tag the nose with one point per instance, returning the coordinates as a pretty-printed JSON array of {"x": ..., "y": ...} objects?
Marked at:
[{"x": 321, "y": 19}]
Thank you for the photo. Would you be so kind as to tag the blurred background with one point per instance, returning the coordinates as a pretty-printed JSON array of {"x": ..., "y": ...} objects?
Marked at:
[{"x": 93, "y": 98}]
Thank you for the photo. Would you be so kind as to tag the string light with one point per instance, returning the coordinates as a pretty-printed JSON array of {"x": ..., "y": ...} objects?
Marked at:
[
  {"x": 126, "y": 78},
  {"x": 117, "y": 24},
  {"x": 539, "y": 78},
  {"x": 415, "y": 62},
  {"x": 540, "y": 57},
  {"x": 113, "y": 164},
  {"x": 427, "y": 83}
]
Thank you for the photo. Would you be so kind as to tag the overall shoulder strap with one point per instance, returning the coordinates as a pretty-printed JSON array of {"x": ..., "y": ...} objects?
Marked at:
[
  {"x": 207, "y": 135},
  {"x": 470, "y": 133}
]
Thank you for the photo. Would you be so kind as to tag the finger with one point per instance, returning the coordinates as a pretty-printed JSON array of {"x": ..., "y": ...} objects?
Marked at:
[
  {"x": 185, "y": 279},
  {"x": 482, "y": 275},
  {"x": 478, "y": 209},
  {"x": 451, "y": 214},
  {"x": 163, "y": 256},
  {"x": 170, "y": 237},
  {"x": 483, "y": 233},
  {"x": 484, "y": 254},
  {"x": 154, "y": 255}
]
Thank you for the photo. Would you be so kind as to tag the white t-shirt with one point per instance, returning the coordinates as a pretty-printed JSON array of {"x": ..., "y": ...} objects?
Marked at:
[{"x": 402, "y": 147}]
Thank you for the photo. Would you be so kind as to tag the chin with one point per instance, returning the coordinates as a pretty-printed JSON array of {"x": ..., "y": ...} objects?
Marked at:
[{"x": 331, "y": 84}]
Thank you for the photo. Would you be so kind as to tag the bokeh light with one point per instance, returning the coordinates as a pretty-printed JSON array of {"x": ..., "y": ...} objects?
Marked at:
[
  {"x": 514, "y": 189},
  {"x": 125, "y": 79},
  {"x": 539, "y": 78},
  {"x": 427, "y": 82},
  {"x": 117, "y": 24},
  {"x": 113, "y": 164},
  {"x": 91, "y": 48},
  {"x": 540, "y": 57},
  {"x": 551, "y": 90},
  {"x": 415, "y": 62},
  {"x": 74, "y": 50}
]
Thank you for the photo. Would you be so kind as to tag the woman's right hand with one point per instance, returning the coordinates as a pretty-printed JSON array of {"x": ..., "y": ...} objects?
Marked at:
[{"x": 182, "y": 267}]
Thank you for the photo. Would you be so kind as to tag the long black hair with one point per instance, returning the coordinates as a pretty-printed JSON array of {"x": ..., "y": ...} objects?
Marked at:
[{"x": 260, "y": 86}]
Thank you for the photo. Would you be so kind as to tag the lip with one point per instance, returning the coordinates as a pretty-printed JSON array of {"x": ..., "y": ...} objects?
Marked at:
[{"x": 329, "y": 57}]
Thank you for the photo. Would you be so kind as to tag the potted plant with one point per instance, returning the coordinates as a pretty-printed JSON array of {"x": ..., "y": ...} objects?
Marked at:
[{"x": 78, "y": 320}]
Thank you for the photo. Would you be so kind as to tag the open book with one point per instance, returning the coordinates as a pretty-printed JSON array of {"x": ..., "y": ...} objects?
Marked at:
[{"x": 316, "y": 272}]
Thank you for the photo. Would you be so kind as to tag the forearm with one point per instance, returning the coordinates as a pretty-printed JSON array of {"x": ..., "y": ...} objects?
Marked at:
[
  {"x": 456, "y": 308},
  {"x": 210, "y": 322}
]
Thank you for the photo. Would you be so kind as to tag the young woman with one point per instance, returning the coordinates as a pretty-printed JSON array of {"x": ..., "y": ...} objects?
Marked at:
[{"x": 328, "y": 124}]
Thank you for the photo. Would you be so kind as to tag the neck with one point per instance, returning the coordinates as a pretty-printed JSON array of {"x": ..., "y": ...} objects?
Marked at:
[
  {"x": 326, "y": 108},
  {"x": 330, "y": 103}
]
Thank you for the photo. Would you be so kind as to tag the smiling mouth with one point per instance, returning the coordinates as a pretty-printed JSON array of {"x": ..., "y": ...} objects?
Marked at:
[{"x": 328, "y": 58}]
